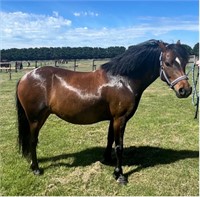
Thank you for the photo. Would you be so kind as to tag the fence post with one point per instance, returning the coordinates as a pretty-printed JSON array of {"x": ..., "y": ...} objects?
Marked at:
[
  {"x": 93, "y": 65},
  {"x": 75, "y": 65},
  {"x": 10, "y": 72},
  {"x": 16, "y": 67}
]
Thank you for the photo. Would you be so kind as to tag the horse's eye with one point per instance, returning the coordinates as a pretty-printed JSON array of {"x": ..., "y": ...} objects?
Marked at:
[{"x": 167, "y": 63}]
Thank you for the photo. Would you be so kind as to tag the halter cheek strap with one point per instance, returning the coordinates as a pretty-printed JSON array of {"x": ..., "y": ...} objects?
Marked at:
[{"x": 173, "y": 83}]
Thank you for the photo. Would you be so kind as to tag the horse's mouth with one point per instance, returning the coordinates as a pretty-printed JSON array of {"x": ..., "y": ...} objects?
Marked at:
[{"x": 183, "y": 92}]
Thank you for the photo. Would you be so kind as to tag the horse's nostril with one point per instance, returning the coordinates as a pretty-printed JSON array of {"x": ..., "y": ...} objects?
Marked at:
[{"x": 182, "y": 91}]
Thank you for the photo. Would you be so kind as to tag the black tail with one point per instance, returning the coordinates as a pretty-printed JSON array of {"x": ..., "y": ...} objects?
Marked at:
[{"x": 23, "y": 128}]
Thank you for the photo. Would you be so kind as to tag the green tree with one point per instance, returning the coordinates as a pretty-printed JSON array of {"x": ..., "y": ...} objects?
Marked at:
[
  {"x": 196, "y": 49},
  {"x": 52, "y": 53},
  {"x": 188, "y": 48}
]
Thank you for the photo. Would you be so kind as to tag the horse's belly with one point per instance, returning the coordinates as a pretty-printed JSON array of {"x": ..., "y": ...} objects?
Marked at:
[{"x": 79, "y": 112}]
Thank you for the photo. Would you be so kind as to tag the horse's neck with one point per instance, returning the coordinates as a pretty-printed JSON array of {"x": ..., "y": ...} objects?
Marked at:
[{"x": 146, "y": 80}]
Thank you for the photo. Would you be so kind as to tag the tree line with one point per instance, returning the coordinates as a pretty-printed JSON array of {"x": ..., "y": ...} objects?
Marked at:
[
  {"x": 56, "y": 53},
  {"x": 194, "y": 50}
]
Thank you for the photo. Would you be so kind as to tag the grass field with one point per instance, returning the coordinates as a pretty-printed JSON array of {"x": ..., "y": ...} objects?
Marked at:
[{"x": 161, "y": 155}]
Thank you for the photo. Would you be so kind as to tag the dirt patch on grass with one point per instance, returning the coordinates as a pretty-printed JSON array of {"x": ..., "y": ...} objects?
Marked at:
[{"x": 81, "y": 174}]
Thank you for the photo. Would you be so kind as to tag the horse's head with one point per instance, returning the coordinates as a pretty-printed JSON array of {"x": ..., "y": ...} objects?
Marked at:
[{"x": 173, "y": 60}]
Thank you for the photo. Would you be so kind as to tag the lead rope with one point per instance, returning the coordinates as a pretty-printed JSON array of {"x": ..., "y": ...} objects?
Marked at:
[
  {"x": 195, "y": 93},
  {"x": 194, "y": 83}
]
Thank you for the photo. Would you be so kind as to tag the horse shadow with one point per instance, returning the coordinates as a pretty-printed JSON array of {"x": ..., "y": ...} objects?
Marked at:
[{"x": 142, "y": 157}]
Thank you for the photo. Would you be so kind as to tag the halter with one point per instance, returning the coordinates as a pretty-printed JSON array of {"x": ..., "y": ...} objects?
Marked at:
[{"x": 173, "y": 83}]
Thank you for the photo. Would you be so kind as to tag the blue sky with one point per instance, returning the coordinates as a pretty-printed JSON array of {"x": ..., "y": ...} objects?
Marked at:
[{"x": 78, "y": 23}]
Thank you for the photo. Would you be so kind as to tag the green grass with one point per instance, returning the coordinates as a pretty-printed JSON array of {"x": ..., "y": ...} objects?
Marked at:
[{"x": 160, "y": 156}]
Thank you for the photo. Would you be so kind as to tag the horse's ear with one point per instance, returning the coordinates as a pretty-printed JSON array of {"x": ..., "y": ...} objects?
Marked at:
[
  {"x": 162, "y": 46},
  {"x": 178, "y": 42}
]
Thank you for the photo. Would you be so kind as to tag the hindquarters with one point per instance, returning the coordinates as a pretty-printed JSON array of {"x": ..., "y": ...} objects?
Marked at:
[{"x": 32, "y": 110}]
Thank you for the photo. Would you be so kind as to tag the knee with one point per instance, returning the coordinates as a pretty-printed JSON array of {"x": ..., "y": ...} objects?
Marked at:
[{"x": 118, "y": 149}]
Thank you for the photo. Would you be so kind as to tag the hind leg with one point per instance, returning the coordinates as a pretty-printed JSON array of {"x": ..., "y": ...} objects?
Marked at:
[
  {"x": 33, "y": 144},
  {"x": 35, "y": 127}
]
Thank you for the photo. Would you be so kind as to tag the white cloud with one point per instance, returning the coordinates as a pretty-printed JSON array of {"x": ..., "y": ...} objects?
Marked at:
[
  {"x": 77, "y": 14},
  {"x": 22, "y": 27},
  {"x": 89, "y": 13},
  {"x": 56, "y": 14},
  {"x": 171, "y": 23},
  {"x": 22, "y": 30}
]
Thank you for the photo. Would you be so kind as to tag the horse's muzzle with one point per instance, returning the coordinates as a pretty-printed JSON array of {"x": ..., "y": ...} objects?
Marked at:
[{"x": 183, "y": 92}]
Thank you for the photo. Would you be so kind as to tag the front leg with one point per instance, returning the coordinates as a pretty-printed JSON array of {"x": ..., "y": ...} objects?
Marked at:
[
  {"x": 110, "y": 140},
  {"x": 119, "y": 127}
]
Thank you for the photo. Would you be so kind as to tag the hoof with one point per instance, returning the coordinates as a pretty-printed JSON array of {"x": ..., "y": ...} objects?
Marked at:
[
  {"x": 122, "y": 180},
  {"x": 119, "y": 177},
  {"x": 38, "y": 172}
]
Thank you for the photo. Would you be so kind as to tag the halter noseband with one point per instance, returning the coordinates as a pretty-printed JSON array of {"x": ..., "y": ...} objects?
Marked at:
[{"x": 173, "y": 83}]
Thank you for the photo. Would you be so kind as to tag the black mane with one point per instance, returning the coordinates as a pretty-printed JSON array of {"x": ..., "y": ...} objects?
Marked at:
[
  {"x": 141, "y": 58},
  {"x": 135, "y": 60}
]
